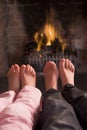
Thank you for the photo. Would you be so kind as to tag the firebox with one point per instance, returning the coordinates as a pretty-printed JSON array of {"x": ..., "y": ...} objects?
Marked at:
[{"x": 49, "y": 44}]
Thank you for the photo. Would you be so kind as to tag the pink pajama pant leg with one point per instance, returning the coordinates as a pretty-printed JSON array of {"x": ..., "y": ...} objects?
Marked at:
[
  {"x": 21, "y": 114},
  {"x": 6, "y": 98}
]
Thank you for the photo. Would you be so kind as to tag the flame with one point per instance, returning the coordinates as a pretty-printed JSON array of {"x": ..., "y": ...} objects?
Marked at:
[
  {"x": 50, "y": 32},
  {"x": 63, "y": 47},
  {"x": 38, "y": 38}
]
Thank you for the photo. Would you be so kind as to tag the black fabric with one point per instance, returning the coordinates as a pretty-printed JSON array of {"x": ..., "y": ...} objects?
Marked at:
[
  {"x": 57, "y": 114},
  {"x": 78, "y": 99}
]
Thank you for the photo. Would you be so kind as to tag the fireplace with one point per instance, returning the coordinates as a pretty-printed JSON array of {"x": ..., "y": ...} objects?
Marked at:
[{"x": 49, "y": 44}]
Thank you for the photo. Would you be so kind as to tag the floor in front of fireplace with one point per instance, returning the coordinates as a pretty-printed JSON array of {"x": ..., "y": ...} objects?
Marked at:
[{"x": 80, "y": 82}]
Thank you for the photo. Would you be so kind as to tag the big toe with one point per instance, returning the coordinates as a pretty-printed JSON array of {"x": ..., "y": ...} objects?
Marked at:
[
  {"x": 49, "y": 65},
  {"x": 16, "y": 68}
]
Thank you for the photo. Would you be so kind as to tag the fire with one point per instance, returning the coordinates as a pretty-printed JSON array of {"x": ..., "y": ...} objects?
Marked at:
[
  {"x": 38, "y": 38},
  {"x": 47, "y": 35},
  {"x": 50, "y": 32}
]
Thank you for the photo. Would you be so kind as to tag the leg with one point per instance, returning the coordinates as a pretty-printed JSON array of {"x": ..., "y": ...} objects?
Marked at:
[
  {"x": 22, "y": 113},
  {"x": 56, "y": 112},
  {"x": 7, "y": 98},
  {"x": 73, "y": 95}
]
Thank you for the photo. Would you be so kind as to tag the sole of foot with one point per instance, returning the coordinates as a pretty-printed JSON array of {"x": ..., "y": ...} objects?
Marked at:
[
  {"x": 14, "y": 78},
  {"x": 51, "y": 75},
  {"x": 28, "y": 75},
  {"x": 66, "y": 71}
]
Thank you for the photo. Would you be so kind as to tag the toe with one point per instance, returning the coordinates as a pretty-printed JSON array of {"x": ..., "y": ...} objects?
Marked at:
[
  {"x": 28, "y": 68},
  {"x": 33, "y": 71},
  {"x": 12, "y": 68},
  {"x": 73, "y": 68},
  {"x": 62, "y": 63},
  {"x": 16, "y": 67},
  {"x": 67, "y": 63},
  {"x": 47, "y": 66},
  {"x": 23, "y": 68},
  {"x": 53, "y": 65}
]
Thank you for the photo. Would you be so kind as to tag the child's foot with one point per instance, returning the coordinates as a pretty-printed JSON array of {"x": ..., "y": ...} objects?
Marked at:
[
  {"x": 28, "y": 76},
  {"x": 14, "y": 78},
  {"x": 66, "y": 71},
  {"x": 51, "y": 75}
]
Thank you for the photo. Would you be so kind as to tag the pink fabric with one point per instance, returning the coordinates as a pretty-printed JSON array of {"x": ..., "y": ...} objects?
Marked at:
[
  {"x": 6, "y": 98},
  {"x": 22, "y": 113}
]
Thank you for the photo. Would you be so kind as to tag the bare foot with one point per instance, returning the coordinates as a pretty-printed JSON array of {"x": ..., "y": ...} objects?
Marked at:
[
  {"x": 28, "y": 76},
  {"x": 66, "y": 71},
  {"x": 51, "y": 75},
  {"x": 14, "y": 78}
]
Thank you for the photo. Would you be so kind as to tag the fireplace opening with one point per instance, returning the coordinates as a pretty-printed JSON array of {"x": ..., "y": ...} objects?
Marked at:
[{"x": 48, "y": 44}]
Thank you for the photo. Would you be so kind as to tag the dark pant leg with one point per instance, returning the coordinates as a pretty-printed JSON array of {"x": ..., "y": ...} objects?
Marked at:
[
  {"x": 78, "y": 99},
  {"x": 57, "y": 114}
]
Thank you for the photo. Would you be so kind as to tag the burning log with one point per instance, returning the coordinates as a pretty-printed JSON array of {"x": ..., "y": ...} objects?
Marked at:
[{"x": 56, "y": 46}]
